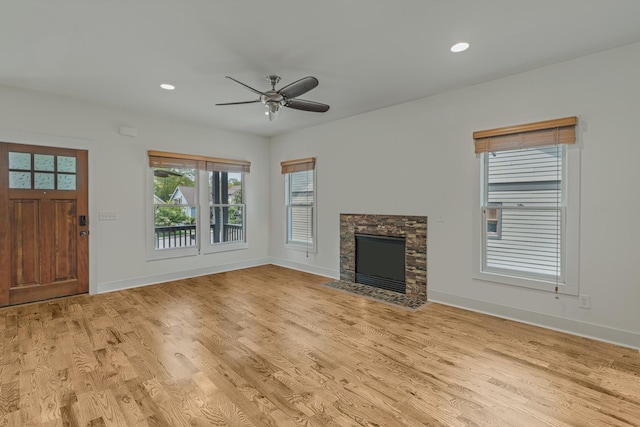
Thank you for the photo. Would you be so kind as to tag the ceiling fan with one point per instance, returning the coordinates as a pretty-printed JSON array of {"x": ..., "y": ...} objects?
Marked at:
[{"x": 285, "y": 97}]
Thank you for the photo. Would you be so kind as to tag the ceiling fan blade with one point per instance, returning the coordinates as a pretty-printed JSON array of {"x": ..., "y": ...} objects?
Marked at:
[
  {"x": 248, "y": 87},
  {"x": 241, "y": 102},
  {"x": 304, "y": 105},
  {"x": 299, "y": 87}
]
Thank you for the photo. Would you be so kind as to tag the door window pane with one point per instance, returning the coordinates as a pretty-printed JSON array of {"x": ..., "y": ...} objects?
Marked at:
[
  {"x": 43, "y": 162},
  {"x": 66, "y": 164},
  {"x": 20, "y": 161},
  {"x": 20, "y": 179},
  {"x": 66, "y": 182},
  {"x": 44, "y": 181},
  {"x": 49, "y": 171}
]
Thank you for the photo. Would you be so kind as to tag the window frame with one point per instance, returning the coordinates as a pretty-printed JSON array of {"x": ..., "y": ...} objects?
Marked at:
[
  {"x": 559, "y": 207},
  {"x": 152, "y": 252},
  {"x": 203, "y": 245},
  {"x": 292, "y": 244},
  {"x": 207, "y": 246},
  {"x": 570, "y": 234}
]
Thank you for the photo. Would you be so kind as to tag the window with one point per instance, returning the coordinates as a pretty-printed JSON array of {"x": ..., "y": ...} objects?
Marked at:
[
  {"x": 41, "y": 171},
  {"x": 528, "y": 222},
  {"x": 180, "y": 227},
  {"x": 175, "y": 208},
  {"x": 528, "y": 185},
  {"x": 226, "y": 209},
  {"x": 300, "y": 203},
  {"x": 494, "y": 221}
]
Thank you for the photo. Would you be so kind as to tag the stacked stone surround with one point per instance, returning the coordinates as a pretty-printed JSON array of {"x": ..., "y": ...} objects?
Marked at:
[{"x": 412, "y": 228}]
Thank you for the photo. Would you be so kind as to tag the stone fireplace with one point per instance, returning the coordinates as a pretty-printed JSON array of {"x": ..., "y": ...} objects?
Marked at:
[{"x": 413, "y": 229}]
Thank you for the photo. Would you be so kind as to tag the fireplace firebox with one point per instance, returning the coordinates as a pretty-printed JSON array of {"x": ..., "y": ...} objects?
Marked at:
[{"x": 380, "y": 262}]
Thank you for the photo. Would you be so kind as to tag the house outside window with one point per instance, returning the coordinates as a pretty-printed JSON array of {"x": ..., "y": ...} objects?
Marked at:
[
  {"x": 180, "y": 227},
  {"x": 529, "y": 201},
  {"x": 300, "y": 201}
]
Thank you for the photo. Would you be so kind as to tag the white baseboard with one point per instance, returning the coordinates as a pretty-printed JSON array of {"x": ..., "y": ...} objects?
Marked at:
[
  {"x": 574, "y": 327},
  {"x": 167, "y": 277},
  {"x": 320, "y": 271}
]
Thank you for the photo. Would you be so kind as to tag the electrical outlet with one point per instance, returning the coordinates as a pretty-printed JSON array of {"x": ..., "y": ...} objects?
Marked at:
[{"x": 585, "y": 301}]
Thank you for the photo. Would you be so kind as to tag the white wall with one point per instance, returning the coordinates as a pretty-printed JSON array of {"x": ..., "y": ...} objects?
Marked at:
[
  {"x": 418, "y": 159},
  {"x": 118, "y": 180}
]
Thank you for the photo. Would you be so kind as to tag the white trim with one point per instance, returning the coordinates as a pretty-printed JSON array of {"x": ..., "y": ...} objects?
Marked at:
[
  {"x": 320, "y": 271},
  {"x": 178, "y": 275},
  {"x": 32, "y": 138},
  {"x": 213, "y": 248},
  {"x": 561, "y": 324},
  {"x": 161, "y": 254},
  {"x": 302, "y": 247}
]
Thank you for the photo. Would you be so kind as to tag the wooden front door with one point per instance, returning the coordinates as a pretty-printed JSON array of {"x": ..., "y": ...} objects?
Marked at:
[{"x": 44, "y": 241}]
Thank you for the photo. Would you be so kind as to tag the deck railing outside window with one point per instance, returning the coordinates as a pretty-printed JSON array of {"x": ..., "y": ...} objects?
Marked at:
[{"x": 182, "y": 236}]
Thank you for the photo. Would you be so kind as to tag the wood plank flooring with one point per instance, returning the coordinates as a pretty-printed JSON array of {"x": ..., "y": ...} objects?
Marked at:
[{"x": 267, "y": 346}]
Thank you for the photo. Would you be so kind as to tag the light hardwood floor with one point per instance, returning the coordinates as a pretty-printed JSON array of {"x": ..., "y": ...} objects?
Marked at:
[{"x": 268, "y": 346}]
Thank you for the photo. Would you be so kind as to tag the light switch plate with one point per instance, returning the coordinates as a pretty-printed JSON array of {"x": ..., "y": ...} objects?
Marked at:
[{"x": 107, "y": 215}]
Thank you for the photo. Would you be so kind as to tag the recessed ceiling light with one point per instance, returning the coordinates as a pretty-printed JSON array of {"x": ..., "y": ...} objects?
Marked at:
[
  {"x": 460, "y": 47},
  {"x": 167, "y": 86}
]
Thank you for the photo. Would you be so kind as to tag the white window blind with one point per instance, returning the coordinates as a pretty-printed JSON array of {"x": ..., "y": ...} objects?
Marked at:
[{"x": 301, "y": 207}]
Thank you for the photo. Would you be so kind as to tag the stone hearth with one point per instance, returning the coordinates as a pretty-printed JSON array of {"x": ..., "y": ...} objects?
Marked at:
[{"x": 412, "y": 228}]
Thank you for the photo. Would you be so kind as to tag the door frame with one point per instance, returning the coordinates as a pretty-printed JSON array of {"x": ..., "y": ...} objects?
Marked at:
[{"x": 30, "y": 138}]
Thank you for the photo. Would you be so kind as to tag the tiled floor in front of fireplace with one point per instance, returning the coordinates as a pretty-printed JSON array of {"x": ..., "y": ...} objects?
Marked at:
[{"x": 378, "y": 294}]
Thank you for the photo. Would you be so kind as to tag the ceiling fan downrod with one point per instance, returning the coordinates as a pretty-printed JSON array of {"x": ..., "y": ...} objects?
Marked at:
[{"x": 273, "y": 80}]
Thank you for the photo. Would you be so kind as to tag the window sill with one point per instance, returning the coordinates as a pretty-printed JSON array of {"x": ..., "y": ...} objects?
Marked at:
[
  {"x": 525, "y": 282},
  {"x": 302, "y": 247},
  {"x": 225, "y": 247},
  {"x": 171, "y": 253}
]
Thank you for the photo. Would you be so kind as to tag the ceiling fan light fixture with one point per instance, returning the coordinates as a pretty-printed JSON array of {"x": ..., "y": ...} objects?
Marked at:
[{"x": 273, "y": 110}]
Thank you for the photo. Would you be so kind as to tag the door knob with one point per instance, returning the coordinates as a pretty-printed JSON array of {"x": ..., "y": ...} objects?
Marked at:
[{"x": 84, "y": 233}]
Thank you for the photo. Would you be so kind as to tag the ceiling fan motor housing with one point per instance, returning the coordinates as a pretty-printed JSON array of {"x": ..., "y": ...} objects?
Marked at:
[{"x": 271, "y": 96}]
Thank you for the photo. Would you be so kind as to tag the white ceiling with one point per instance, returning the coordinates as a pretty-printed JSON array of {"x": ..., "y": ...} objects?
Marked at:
[{"x": 367, "y": 54}]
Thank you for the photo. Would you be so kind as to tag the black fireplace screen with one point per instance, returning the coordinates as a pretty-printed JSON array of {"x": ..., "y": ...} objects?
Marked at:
[{"x": 380, "y": 262}]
